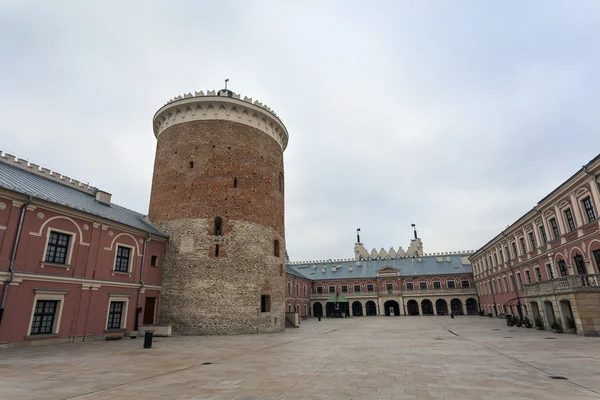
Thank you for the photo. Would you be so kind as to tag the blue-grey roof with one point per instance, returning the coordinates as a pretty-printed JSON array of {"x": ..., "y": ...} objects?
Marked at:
[
  {"x": 21, "y": 181},
  {"x": 428, "y": 265}
]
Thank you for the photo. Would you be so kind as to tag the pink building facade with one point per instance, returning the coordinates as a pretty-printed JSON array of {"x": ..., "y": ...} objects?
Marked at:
[
  {"x": 73, "y": 266},
  {"x": 546, "y": 265}
]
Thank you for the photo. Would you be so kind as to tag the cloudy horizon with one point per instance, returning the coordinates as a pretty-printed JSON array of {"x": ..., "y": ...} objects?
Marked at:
[{"x": 455, "y": 116}]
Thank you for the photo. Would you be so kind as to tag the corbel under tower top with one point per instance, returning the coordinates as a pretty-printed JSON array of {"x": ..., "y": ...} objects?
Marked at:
[{"x": 220, "y": 105}]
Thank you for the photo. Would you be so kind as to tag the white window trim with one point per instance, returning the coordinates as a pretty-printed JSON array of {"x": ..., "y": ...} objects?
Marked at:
[
  {"x": 51, "y": 296},
  {"x": 434, "y": 282},
  {"x": 131, "y": 255},
  {"x": 124, "y": 299},
  {"x": 72, "y": 240},
  {"x": 450, "y": 280}
]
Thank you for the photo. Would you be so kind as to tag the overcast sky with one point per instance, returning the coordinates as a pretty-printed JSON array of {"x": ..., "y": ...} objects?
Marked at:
[{"x": 456, "y": 116}]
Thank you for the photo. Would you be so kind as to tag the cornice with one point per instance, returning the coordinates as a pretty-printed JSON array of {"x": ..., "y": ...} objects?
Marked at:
[{"x": 221, "y": 105}]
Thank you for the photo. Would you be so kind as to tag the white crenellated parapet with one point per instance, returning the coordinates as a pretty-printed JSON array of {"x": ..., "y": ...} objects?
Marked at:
[
  {"x": 46, "y": 173},
  {"x": 220, "y": 105}
]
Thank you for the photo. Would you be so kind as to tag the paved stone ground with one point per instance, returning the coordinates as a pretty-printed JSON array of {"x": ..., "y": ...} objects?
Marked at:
[{"x": 359, "y": 358}]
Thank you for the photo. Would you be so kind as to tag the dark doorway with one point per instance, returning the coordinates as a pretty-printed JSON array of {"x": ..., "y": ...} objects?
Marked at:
[
  {"x": 371, "y": 308},
  {"x": 391, "y": 306},
  {"x": 337, "y": 309},
  {"x": 427, "y": 307},
  {"x": 149, "y": 310},
  {"x": 357, "y": 309},
  {"x": 471, "y": 306},
  {"x": 413, "y": 307},
  {"x": 317, "y": 310},
  {"x": 456, "y": 306},
  {"x": 442, "y": 307}
]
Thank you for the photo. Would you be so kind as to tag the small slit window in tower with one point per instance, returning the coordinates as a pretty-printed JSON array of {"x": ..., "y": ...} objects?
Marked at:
[
  {"x": 218, "y": 223},
  {"x": 216, "y": 250},
  {"x": 276, "y": 248},
  {"x": 281, "y": 182},
  {"x": 265, "y": 303},
  {"x": 191, "y": 161},
  {"x": 235, "y": 181}
]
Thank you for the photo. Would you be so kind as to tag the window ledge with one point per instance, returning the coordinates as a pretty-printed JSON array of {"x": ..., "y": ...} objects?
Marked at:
[
  {"x": 121, "y": 273},
  {"x": 43, "y": 336},
  {"x": 115, "y": 330},
  {"x": 51, "y": 264}
]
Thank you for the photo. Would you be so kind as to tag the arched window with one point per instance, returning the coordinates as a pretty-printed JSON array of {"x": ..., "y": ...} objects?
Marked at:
[
  {"x": 276, "y": 248},
  {"x": 218, "y": 223}
]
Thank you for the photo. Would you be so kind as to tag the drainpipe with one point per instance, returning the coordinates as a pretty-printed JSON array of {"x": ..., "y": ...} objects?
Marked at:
[
  {"x": 13, "y": 256},
  {"x": 137, "y": 307}
]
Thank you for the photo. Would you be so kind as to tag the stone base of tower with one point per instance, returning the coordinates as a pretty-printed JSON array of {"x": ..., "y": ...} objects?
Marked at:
[{"x": 205, "y": 294}]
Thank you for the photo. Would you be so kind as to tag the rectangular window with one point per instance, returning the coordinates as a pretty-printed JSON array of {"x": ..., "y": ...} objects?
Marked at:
[
  {"x": 464, "y": 284},
  {"x": 319, "y": 289},
  {"x": 115, "y": 314},
  {"x": 596, "y": 254},
  {"x": 538, "y": 274},
  {"x": 58, "y": 247},
  {"x": 304, "y": 290},
  {"x": 527, "y": 276},
  {"x": 501, "y": 256},
  {"x": 122, "y": 261},
  {"x": 562, "y": 267},
  {"x": 297, "y": 289},
  {"x": 589, "y": 209},
  {"x": 514, "y": 247},
  {"x": 289, "y": 288},
  {"x": 437, "y": 285},
  {"x": 532, "y": 240},
  {"x": 496, "y": 258},
  {"x": 356, "y": 288},
  {"x": 520, "y": 281},
  {"x": 331, "y": 289},
  {"x": 369, "y": 288},
  {"x": 422, "y": 285},
  {"x": 344, "y": 289},
  {"x": 505, "y": 283},
  {"x": 410, "y": 286},
  {"x": 570, "y": 221},
  {"x": 265, "y": 303},
  {"x": 389, "y": 287},
  {"x": 523, "y": 247},
  {"x": 43, "y": 317},
  {"x": 554, "y": 226},
  {"x": 550, "y": 272},
  {"x": 451, "y": 285},
  {"x": 154, "y": 261},
  {"x": 543, "y": 234}
]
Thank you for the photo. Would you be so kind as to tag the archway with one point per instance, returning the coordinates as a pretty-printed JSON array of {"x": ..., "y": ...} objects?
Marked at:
[
  {"x": 357, "y": 309},
  {"x": 412, "y": 307},
  {"x": 471, "y": 306},
  {"x": 567, "y": 312},
  {"x": 391, "y": 306},
  {"x": 456, "y": 307},
  {"x": 442, "y": 307},
  {"x": 549, "y": 311},
  {"x": 318, "y": 309},
  {"x": 427, "y": 307},
  {"x": 371, "y": 308}
]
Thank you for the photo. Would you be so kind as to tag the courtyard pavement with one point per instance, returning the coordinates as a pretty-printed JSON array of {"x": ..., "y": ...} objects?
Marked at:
[{"x": 356, "y": 358}]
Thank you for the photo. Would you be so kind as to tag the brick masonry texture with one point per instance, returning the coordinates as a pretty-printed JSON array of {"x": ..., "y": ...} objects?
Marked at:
[{"x": 202, "y": 293}]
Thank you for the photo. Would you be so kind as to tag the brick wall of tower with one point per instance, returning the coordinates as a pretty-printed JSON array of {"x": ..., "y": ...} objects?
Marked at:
[{"x": 205, "y": 293}]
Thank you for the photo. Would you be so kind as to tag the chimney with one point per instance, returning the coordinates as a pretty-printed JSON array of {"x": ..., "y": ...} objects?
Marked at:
[{"x": 103, "y": 197}]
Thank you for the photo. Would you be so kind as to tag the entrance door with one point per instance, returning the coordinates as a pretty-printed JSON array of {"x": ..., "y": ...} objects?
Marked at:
[{"x": 149, "y": 310}]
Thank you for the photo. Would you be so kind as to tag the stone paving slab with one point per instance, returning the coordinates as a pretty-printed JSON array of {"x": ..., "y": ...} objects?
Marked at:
[{"x": 424, "y": 358}]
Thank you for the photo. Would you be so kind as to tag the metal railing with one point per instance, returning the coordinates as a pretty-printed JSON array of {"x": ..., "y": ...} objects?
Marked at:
[
  {"x": 469, "y": 290},
  {"x": 569, "y": 283}
]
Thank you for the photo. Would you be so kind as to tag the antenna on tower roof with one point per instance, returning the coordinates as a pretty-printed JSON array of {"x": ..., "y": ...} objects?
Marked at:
[{"x": 226, "y": 80}]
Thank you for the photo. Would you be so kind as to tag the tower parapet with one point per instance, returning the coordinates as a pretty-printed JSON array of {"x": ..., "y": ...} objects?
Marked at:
[{"x": 220, "y": 105}]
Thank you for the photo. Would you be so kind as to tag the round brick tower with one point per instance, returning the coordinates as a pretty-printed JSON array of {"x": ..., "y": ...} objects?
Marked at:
[{"x": 218, "y": 190}]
